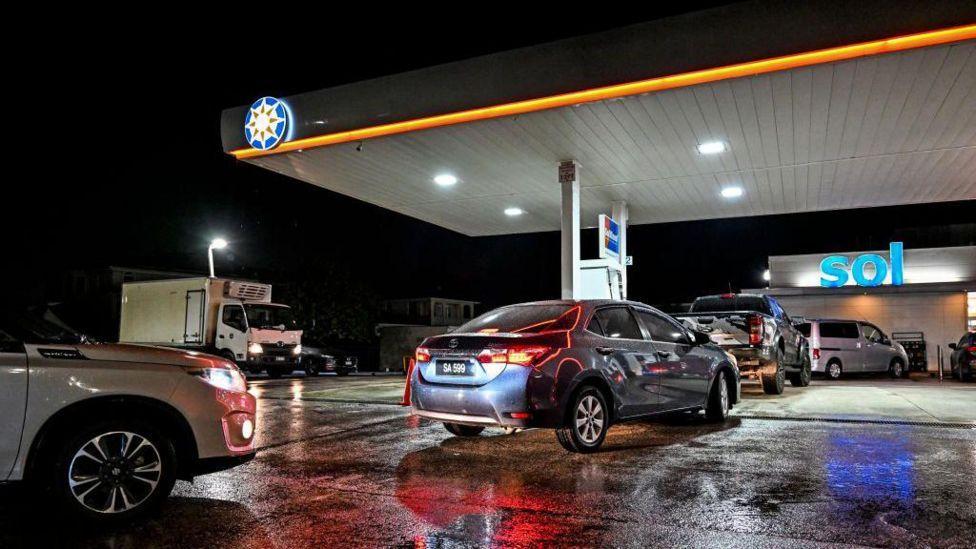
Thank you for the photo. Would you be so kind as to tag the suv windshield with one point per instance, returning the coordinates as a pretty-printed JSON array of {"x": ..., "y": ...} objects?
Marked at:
[
  {"x": 730, "y": 302},
  {"x": 36, "y": 326},
  {"x": 516, "y": 318},
  {"x": 270, "y": 317}
]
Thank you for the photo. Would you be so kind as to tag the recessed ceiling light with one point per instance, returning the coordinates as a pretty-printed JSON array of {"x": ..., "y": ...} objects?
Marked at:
[
  {"x": 445, "y": 179},
  {"x": 711, "y": 147},
  {"x": 732, "y": 192},
  {"x": 514, "y": 211}
]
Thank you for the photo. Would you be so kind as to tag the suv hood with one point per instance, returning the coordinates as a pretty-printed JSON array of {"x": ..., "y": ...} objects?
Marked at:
[{"x": 147, "y": 354}]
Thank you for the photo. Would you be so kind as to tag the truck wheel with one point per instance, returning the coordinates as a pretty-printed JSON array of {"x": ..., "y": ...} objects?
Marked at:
[
  {"x": 772, "y": 384},
  {"x": 802, "y": 378},
  {"x": 229, "y": 355},
  {"x": 717, "y": 406},
  {"x": 834, "y": 370},
  {"x": 459, "y": 430},
  {"x": 113, "y": 471},
  {"x": 586, "y": 423}
]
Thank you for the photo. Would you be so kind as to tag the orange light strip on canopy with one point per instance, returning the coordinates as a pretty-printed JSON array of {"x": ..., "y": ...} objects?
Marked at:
[{"x": 876, "y": 47}]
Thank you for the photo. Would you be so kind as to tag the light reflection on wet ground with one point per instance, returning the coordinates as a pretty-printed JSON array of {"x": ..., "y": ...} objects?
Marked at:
[{"x": 339, "y": 474}]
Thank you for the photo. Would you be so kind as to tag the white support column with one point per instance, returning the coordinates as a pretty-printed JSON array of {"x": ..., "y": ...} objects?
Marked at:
[
  {"x": 621, "y": 215},
  {"x": 570, "y": 228}
]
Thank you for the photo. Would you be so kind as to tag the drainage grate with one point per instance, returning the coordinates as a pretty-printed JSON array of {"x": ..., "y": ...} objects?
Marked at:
[{"x": 942, "y": 424}]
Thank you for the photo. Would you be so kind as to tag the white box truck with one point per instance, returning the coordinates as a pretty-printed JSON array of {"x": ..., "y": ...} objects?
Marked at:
[{"x": 229, "y": 318}]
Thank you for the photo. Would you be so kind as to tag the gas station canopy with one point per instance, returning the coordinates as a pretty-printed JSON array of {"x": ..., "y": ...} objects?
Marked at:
[{"x": 751, "y": 109}]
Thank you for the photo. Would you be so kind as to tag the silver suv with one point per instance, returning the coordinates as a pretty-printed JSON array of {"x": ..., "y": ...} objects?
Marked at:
[
  {"x": 839, "y": 347},
  {"x": 104, "y": 430}
]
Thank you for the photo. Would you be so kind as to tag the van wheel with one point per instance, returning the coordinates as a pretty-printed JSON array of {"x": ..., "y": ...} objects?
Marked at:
[
  {"x": 587, "y": 421},
  {"x": 897, "y": 369},
  {"x": 113, "y": 471},
  {"x": 717, "y": 406},
  {"x": 459, "y": 430},
  {"x": 802, "y": 378},
  {"x": 834, "y": 370}
]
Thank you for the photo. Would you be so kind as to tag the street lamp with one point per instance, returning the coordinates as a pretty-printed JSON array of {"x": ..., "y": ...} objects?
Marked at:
[{"x": 217, "y": 244}]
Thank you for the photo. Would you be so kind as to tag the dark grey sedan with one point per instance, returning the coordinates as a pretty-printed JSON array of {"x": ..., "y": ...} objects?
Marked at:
[{"x": 573, "y": 366}]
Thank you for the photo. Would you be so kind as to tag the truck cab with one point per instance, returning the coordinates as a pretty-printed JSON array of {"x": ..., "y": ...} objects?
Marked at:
[{"x": 259, "y": 336}]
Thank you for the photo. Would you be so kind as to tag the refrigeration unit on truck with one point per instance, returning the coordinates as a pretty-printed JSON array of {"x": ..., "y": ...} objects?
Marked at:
[{"x": 230, "y": 318}]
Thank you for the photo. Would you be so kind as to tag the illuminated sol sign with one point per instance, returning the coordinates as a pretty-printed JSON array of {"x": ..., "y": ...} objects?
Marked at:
[
  {"x": 867, "y": 269},
  {"x": 266, "y": 123},
  {"x": 609, "y": 237}
]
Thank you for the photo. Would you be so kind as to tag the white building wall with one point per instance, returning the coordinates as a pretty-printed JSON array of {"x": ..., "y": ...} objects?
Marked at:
[{"x": 940, "y": 316}]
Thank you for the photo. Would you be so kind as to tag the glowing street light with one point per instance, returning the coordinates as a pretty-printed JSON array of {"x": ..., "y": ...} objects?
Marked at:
[{"x": 216, "y": 244}]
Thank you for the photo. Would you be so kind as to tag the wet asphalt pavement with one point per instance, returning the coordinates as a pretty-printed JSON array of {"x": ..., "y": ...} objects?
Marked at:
[{"x": 337, "y": 474}]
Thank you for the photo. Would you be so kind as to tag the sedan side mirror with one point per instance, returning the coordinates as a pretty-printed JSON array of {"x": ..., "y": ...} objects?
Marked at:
[{"x": 701, "y": 338}]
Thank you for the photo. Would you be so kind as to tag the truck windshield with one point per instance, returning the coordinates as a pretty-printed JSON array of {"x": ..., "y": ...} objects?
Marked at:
[
  {"x": 516, "y": 319},
  {"x": 39, "y": 326},
  {"x": 731, "y": 302},
  {"x": 270, "y": 317}
]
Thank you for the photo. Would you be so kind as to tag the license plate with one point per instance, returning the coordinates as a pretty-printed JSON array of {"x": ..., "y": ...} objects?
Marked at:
[
  {"x": 280, "y": 358},
  {"x": 454, "y": 368}
]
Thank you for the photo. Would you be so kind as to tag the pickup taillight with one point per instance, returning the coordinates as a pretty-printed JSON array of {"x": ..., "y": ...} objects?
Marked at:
[{"x": 755, "y": 329}]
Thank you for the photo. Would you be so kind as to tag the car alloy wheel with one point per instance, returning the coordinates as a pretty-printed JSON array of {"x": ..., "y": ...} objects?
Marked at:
[
  {"x": 590, "y": 419},
  {"x": 115, "y": 472}
]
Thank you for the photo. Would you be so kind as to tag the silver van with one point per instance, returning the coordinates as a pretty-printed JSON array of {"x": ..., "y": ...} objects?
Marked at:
[{"x": 839, "y": 347}]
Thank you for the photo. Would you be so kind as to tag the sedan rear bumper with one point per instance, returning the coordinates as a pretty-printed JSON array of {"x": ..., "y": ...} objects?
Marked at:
[{"x": 490, "y": 404}]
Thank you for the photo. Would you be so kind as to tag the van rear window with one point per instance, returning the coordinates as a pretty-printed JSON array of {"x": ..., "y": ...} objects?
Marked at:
[{"x": 843, "y": 330}]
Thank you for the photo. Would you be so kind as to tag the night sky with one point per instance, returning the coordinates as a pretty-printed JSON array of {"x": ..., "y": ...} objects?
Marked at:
[{"x": 129, "y": 170}]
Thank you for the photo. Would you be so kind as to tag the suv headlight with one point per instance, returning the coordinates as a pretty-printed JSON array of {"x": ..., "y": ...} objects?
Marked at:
[
  {"x": 297, "y": 350},
  {"x": 255, "y": 349},
  {"x": 228, "y": 379}
]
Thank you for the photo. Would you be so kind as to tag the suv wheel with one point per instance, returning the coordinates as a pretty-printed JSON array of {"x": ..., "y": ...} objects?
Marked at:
[
  {"x": 586, "y": 423},
  {"x": 717, "y": 407},
  {"x": 802, "y": 378},
  {"x": 459, "y": 430},
  {"x": 113, "y": 471},
  {"x": 897, "y": 369},
  {"x": 834, "y": 370}
]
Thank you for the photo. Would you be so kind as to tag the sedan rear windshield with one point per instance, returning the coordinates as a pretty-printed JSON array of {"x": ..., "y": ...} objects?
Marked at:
[
  {"x": 516, "y": 319},
  {"x": 723, "y": 304}
]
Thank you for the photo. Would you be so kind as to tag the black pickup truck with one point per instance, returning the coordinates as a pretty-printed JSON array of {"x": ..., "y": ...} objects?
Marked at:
[{"x": 758, "y": 333}]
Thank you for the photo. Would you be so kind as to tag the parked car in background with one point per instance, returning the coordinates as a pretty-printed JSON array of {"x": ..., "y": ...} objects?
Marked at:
[
  {"x": 104, "y": 431},
  {"x": 317, "y": 359},
  {"x": 760, "y": 334},
  {"x": 839, "y": 347},
  {"x": 963, "y": 358},
  {"x": 574, "y": 366}
]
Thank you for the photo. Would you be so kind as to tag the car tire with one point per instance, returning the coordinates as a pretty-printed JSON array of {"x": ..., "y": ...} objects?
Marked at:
[
  {"x": 773, "y": 384},
  {"x": 101, "y": 484},
  {"x": 273, "y": 372},
  {"x": 834, "y": 370},
  {"x": 586, "y": 423},
  {"x": 802, "y": 378},
  {"x": 312, "y": 369},
  {"x": 459, "y": 430},
  {"x": 719, "y": 403},
  {"x": 897, "y": 369}
]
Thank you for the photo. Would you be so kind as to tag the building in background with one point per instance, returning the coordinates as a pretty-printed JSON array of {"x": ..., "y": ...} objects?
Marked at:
[
  {"x": 926, "y": 294},
  {"x": 407, "y": 322}
]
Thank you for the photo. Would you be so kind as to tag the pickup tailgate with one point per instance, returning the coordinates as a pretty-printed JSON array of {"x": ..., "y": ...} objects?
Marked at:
[{"x": 726, "y": 329}]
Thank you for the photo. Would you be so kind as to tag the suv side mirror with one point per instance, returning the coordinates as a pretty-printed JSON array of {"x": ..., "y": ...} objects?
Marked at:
[{"x": 700, "y": 338}]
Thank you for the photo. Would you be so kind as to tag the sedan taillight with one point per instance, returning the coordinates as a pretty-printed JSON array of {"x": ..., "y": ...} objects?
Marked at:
[
  {"x": 422, "y": 355},
  {"x": 523, "y": 355},
  {"x": 755, "y": 329}
]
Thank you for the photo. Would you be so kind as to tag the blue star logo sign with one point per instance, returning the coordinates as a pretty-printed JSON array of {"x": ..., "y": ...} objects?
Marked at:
[{"x": 266, "y": 123}]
